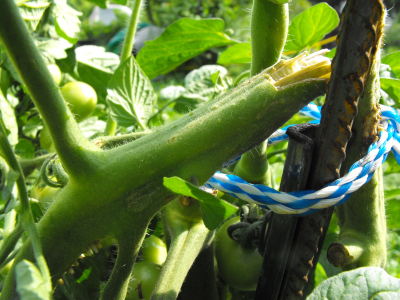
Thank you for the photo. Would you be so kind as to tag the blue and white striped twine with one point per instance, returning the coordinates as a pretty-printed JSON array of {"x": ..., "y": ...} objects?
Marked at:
[{"x": 337, "y": 192}]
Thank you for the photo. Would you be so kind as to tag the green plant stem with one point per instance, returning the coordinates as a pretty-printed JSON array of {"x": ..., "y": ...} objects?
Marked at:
[
  {"x": 117, "y": 285},
  {"x": 241, "y": 76},
  {"x": 269, "y": 27},
  {"x": 28, "y": 165},
  {"x": 201, "y": 283},
  {"x": 111, "y": 126},
  {"x": 125, "y": 54},
  {"x": 277, "y": 152},
  {"x": 73, "y": 149},
  {"x": 183, "y": 251},
  {"x": 10, "y": 257},
  {"x": 9, "y": 242},
  {"x": 114, "y": 141},
  {"x": 26, "y": 214},
  {"x": 131, "y": 31}
]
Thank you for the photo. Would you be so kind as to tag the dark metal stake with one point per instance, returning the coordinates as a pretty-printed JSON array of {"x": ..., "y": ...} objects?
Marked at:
[{"x": 281, "y": 229}]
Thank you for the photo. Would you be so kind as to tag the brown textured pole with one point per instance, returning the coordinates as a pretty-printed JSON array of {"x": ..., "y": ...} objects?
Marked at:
[{"x": 357, "y": 42}]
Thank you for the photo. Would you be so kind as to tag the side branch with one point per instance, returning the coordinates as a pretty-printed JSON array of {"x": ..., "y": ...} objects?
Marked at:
[{"x": 69, "y": 142}]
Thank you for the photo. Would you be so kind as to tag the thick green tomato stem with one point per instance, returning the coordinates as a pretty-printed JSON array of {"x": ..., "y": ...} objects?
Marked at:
[
  {"x": 72, "y": 147},
  {"x": 26, "y": 217},
  {"x": 29, "y": 165},
  {"x": 201, "y": 283},
  {"x": 107, "y": 142},
  {"x": 184, "y": 249},
  {"x": 128, "y": 180},
  {"x": 269, "y": 26},
  {"x": 188, "y": 237},
  {"x": 117, "y": 285}
]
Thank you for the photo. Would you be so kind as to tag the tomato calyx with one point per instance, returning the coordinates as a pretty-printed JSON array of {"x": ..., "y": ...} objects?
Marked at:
[{"x": 249, "y": 230}]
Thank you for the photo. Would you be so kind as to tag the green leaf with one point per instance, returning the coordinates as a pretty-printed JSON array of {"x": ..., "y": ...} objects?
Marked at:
[
  {"x": 52, "y": 49},
  {"x": 97, "y": 56},
  {"x": 236, "y": 54},
  {"x": 95, "y": 67},
  {"x": 172, "y": 92},
  {"x": 392, "y": 88},
  {"x": 393, "y": 60},
  {"x": 67, "y": 64},
  {"x": 362, "y": 283},
  {"x": 393, "y": 211},
  {"x": 331, "y": 54},
  {"x": 181, "y": 41},
  {"x": 9, "y": 121},
  {"x": 130, "y": 95},
  {"x": 213, "y": 209},
  {"x": 32, "y": 11},
  {"x": 30, "y": 283},
  {"x": 199, "y": 83},
  {"x": 66, "y": 21},
  {"x": 311, "y": 26},
  {"x": 320, "y": 275},
  {"x": 91, "y": 126},
  {"x": 25, "y": 149}
]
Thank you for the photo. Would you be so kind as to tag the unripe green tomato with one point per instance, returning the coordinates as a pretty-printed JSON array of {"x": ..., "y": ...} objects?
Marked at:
[
  {"x": 81, "y": 97},
  {"x": 55, "y": 73},
  {"x": 144, "y": 274},
  {"x": 238, "y": 267},
  {"x": 154, "y": 250}
]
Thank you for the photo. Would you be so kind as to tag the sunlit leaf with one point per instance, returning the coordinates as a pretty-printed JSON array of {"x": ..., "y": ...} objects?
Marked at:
[
  {"x": 311, "y": 26},
  {"x": 130, "y": 95},
  {"x": 236, "y": 54},
  {"x": 181, "y": 41},
  {"x": 199, "y": 82},
  {"x": 393, "y": 209},
  {"x": 52, "y": 49},
  {"x": 393, "y": 60},
  {"x": 30, "y": 283},
  {"x": 66, "y": 21},
  {"x": 362, "y": 283},
  {"x": 9, "y": 121},
  {"x": 392, "y": 88},
  {"x": 213, "y": 209},
  {"x": 32, "y": 11}
]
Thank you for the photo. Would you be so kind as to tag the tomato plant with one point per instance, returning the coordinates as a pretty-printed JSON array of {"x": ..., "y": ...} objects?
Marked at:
[
  {"x": 154, "y": 127},
  {"x": 238, "y": 266}
]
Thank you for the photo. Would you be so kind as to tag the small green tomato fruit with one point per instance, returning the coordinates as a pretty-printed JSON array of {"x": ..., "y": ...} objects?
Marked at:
[
  {"x": 154, "y": 250},
  {"x": 143, "y": 280},
  {"x": 238, "y": 267},
  {"x": 81, "y": 97}
]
